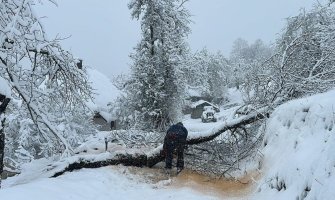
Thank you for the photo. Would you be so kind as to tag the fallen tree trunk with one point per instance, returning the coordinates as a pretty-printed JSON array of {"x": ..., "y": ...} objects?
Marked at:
[
  {"x": 248, "y": 119},
  {"x": 124, "y": 159},
  {"x": 152, "y": 158}
]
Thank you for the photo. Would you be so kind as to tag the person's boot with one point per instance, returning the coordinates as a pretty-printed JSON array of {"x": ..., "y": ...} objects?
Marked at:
[
  {"x": 168, "y": 171},
  {"x": 179, "y": 169}
]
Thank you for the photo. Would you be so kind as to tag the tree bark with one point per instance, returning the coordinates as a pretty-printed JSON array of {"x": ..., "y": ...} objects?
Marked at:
[
  {"x": 152, "y": 41},
  {"x": 156, "y": 156},
  {"x": 3, "y": 105}
]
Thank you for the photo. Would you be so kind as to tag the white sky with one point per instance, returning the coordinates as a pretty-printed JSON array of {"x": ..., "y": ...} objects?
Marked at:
[{"x": 103, "y": 33}]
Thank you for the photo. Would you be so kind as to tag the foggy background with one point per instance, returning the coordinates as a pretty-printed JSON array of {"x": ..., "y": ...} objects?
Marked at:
[{"x": 102, "y": 33}]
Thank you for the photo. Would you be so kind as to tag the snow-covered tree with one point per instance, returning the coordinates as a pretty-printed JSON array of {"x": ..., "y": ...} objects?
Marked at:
[
  {"x": 304, "y": 59},
  {"x": 4, "y": 101},
  {"x": 245, "y": 60},
  {"x": 155, "y": 88},
  {"x": 247, "y": 64},
  {"x": 48, "y": 89},
  {"x": 207, "y": 73},
  {"x": 302, "y": 62}
]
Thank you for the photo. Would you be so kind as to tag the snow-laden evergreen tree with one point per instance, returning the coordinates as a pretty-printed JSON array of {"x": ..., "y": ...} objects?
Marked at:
[
  {"x": 49, "y": 91},
  {"x": 155, "y": 89}
]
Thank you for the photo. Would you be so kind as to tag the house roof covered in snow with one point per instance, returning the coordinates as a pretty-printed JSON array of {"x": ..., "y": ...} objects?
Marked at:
[
  {"x": 200, "y": 102},
  {"x": 107, "y": 116},
  {"x": 103, "y": 89}
]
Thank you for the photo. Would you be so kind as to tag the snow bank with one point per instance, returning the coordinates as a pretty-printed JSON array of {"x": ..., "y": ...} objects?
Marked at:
[
  {"x": 4, "y": 88},
  {"x": 299, "y": 152}
]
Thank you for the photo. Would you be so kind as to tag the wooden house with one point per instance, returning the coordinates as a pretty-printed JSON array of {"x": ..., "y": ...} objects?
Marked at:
[
  {"x": 198, "y": 107},
  {"x": 105, "y": 121}
]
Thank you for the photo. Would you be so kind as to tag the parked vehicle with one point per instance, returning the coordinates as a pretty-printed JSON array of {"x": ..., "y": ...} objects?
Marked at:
[{"x": 208, "y": 115}]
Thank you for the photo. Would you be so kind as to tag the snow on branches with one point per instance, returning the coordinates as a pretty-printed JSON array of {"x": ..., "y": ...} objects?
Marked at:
[
  {"x": 155, "y": 88},
  {"x": 42, "y": 76}
]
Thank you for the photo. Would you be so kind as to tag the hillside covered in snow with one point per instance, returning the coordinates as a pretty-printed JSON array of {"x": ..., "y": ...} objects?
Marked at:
[{"x": 299, "y": 146}]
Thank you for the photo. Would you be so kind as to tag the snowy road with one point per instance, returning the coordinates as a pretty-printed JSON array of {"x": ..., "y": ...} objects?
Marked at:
[{"x": 118, "y": 182}]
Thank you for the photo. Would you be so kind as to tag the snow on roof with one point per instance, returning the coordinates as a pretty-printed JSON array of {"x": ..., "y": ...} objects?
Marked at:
[
  {"x": 195, "y": 104},
  {"x": 107, "y": 116},
  {"x": 4, "y": 87},
  {"x": 104, "y": 90}
]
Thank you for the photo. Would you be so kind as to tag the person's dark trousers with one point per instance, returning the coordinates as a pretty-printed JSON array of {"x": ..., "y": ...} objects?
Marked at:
[
  {"x": 180, "y": 154},
  {"x": 172, "y": 143},
  {"x": 169, "y": 148}
]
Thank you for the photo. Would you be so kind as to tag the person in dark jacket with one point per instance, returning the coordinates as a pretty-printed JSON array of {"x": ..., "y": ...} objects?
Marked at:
[{"x": 175, "y": 139}]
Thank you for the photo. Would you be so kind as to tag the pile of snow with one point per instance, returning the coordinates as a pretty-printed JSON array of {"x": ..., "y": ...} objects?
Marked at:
[
  {"x": 104, "y": 90},
  {"x": 4, "y": 88},
  {"x": 299, "y": 152}
]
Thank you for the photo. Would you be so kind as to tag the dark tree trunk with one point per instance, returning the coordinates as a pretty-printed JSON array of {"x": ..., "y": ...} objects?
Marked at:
[
  {"x": 3, "y": 105},
  {"x": 152, "y": 40}
]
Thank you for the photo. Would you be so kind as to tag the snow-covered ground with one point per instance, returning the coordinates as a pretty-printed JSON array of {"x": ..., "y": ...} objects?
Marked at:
[
  {"x": 99, "y": 184},
  {"x": 227, "y": 114},
  {"x": 118, "y": 182},
  {"x": 299, "y": 152},
  {"x": 298, "y": 148},
  {"x": 298, "y": 163}
]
